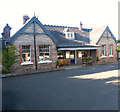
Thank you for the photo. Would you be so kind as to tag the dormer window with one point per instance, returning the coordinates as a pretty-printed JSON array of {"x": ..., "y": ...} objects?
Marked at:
[{"x": 69, "y": 35}]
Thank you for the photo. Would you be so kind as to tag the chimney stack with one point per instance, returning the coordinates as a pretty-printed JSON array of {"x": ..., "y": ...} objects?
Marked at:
[
  {"x": 6, "y": 32},
  {"x": 80, "y": 26},
  {"x": 25, "y": 18}
]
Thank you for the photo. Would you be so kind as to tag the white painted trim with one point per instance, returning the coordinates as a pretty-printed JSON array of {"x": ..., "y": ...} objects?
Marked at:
[
  {"x": 27, "y": 63},
  {"x": 111, "y": 56},
  {"x": 45, "y": 61},
  {"x": 87, "y": 48},
  {"x": 103, "y": 56}
]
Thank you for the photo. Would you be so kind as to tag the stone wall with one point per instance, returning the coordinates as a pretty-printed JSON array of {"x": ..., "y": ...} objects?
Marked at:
[
  {"x": 107, "y": 42},
  {"x": 28, "y": 39}
]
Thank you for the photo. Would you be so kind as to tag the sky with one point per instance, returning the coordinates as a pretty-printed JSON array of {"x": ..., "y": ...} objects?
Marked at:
[{"x": 92, "y": 13}]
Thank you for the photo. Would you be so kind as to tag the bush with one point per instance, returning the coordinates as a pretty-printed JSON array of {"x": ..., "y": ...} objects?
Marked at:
[
  {"x": 57, "y": 64},
  {"x": 98, "y": 58},
  {"x": 88, "y": 59},
  {"x": 9, "y": 58}
]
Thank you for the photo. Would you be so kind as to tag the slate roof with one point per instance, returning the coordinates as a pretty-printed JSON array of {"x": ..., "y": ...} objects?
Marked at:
[
  {"x": 34, "y": 19},
  {"x": 87, "y": 30},
  {"x": 97, "y": 33},
  {"x": 58, "y": 33},
  {"x": 2, "y": 43}
]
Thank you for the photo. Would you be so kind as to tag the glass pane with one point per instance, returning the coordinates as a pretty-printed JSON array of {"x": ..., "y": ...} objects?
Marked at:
[
  {"x": 43, "y": 52},
  {"x": 26, "y": 53}
]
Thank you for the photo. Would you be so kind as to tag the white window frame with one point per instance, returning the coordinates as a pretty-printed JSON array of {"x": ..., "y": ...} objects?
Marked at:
[
  {"x": 45, "y": 61},
  {"x": 110, "y": 50},
  {"x": 69, "y": 35},
  {"x": 27, "y": 62},
  {"x": 103, "y": 50}
]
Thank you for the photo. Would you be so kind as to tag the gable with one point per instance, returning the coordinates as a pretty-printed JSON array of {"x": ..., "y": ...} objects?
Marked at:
[
  {"x": 107, "y": 34},
  {"x": 34, "y": 26}
]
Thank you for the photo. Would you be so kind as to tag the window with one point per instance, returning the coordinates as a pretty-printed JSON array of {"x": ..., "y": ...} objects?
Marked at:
[
  {"x": 67, "y": 54},
  {"x": 26, "y": 53},
  {"x": 60, "y": 54},
  {"x": 111, "y": 47},
  {"x": 103, "y": 50},
  {"x": 44, "y": 53},
  {"x": 69, "y": 35},
  {"x": 79, "y": 54}
]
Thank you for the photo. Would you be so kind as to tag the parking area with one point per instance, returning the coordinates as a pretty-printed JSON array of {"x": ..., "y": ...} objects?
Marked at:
[{"x": 89, "y": 88}]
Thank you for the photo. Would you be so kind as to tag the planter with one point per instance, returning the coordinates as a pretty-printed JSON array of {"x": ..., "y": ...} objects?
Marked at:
[
  {"x": 89, "y": 62},
  {"x": 58, "y": 66},
  {"x": 98, "y": 61}
]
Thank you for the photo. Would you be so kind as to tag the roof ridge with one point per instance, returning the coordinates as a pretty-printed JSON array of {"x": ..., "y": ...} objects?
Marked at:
[{"x": 60, "y": 26}]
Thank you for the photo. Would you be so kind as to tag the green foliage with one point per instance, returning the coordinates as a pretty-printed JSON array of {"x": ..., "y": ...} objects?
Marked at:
[
  {"x": 84, "y": 55},
  {"x": 9, "y": 58},
  {"x": 98, "y": 58},
  {"x": 118, "y": 47},
  {"x": 88, "y": 59},
  {"x": 57, "y": 64}
]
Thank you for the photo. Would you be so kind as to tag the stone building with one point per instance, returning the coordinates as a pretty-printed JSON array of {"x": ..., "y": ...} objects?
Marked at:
[
  {"x": 108, "y": 45},
  {"x": 41, "y": 45}
]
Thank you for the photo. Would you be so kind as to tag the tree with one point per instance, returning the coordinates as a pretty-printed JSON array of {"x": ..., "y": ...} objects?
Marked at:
[
  {"x": 9, "y": 58},
  {"x": 118, "y": 47}
]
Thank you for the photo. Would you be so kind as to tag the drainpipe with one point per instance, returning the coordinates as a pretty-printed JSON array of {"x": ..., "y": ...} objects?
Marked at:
[
  {"x": 35, "y": 47},
  {"x": 75, "y": 57}
]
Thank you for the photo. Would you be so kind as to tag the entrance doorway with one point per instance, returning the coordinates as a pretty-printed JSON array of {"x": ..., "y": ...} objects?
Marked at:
[{"x": 72, "y": 57}]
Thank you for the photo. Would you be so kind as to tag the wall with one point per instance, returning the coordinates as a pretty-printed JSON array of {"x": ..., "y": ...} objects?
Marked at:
[
  {"x": 107, "y": 41},
  {"x": 28, "y": 39}
]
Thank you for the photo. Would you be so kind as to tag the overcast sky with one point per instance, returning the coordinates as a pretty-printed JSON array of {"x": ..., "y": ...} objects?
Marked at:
[{"x": 92, "y": 13}]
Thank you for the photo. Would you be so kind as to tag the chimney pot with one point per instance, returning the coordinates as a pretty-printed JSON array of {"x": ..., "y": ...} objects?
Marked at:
[{"x": 81, "y": 25}]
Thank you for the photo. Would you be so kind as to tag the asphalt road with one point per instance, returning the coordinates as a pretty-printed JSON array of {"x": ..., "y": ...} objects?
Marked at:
[{"x": 59, "y": 90}]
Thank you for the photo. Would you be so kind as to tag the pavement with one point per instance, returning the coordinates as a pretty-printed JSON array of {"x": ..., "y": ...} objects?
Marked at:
[
  {"x": 68, "y": 67},
  {"x": 86, "y": 88}
]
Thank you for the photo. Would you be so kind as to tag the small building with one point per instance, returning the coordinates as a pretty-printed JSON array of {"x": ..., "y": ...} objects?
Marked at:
[{"x": 104, "y": 37}]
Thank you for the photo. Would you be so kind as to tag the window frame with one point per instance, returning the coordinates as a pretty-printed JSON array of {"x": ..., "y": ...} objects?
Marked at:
[
  {"x": 26, "y": 62},
  {"x": 104, "y": 50},
  {"x": 110, "y": 50},
  {"x": 69, "y": 35},
  {"x": 24, "y": 53},
  {"x": 44, "y": 48}
]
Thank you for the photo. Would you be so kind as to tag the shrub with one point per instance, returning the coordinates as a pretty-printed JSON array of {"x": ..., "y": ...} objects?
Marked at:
[
  {"x": 88, "y": 59},
  {"x": 98, "y": 58},
  {"x": 9, "y": 58},
  {"x": 57, "y": 64}
]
